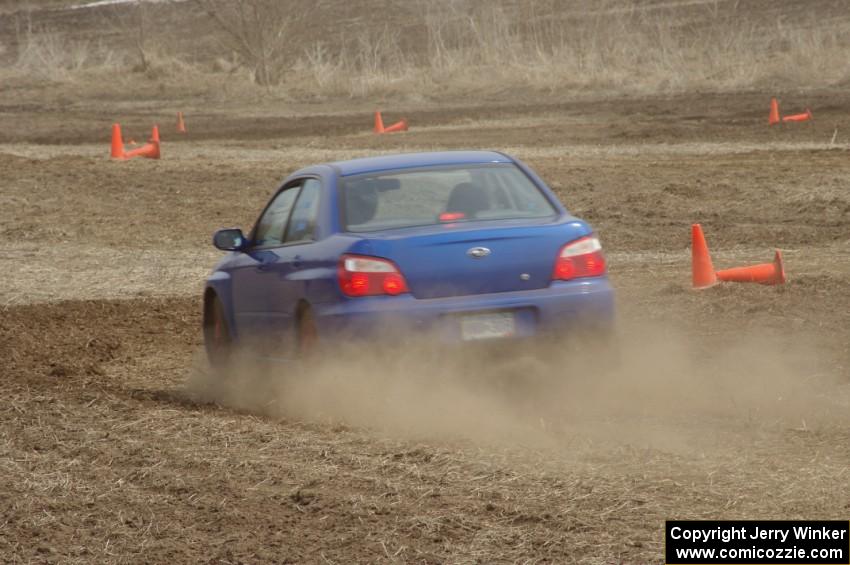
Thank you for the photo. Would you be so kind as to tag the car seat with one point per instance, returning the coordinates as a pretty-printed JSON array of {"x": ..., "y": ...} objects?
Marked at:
[
  {"x": 361, "y": 202},
  {"x": 468, "y": 198}
]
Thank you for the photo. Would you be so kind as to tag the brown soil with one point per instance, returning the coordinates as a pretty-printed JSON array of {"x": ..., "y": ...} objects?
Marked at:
[{"x": 731, "y": 402}]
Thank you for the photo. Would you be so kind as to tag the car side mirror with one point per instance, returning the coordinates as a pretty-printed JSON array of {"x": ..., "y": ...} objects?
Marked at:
[{"x": 230, "y": 239}]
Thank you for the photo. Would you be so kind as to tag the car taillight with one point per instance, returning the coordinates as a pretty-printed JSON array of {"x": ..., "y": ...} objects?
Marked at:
[
  {"x": 369, "y": 276},
  {"x": 580, "y": 258}
]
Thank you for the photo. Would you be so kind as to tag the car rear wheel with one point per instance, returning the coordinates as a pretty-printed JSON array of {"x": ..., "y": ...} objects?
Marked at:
[
  {"x": 308, "y": 335},
  {"x": 217, "y": 338}
]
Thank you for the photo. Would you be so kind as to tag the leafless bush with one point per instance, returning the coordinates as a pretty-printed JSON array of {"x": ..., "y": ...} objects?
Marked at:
[
  {"x": 260, "y": 31},
  {"x": 47, "y": 54},
  {"x": 134, "y": 22}
]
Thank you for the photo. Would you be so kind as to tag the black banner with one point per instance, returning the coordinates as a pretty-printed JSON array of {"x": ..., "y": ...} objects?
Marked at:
[{"x": 744, "y": 542}]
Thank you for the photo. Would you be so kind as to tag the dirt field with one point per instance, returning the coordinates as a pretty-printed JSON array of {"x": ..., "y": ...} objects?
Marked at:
[{"x": 732, "y": 402}]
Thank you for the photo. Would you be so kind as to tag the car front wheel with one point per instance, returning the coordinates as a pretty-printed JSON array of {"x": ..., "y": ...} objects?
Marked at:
[{"x": 217, "y": 337}]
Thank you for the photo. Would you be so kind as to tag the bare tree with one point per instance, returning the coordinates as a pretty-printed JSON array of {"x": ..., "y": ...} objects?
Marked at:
[
  {"x": 134, "y": 21},
  {"x": 260, "y": 31}
]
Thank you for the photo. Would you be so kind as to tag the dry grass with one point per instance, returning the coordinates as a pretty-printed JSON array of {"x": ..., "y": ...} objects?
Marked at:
[
  {"x": 541, "y": 46},
  {"x": 448, "y": 48},
  {"x": 107, "y": 458},
  {"x": 67, "y": 272},
  {"x": 48, "y": 56}
]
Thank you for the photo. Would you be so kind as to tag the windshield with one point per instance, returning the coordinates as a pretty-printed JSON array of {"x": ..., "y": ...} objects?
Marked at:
[{"x": 399, "y": 199}]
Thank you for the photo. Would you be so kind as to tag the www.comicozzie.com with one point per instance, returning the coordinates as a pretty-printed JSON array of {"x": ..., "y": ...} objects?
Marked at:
[{"x": 757, "y": 542}]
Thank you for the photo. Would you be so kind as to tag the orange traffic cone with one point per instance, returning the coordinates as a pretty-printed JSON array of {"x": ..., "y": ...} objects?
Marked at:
[
  {"x": 766, "y": 273},
  {"x": 804, "y": 117},
  {"x": 701, "y": 267},
  {"x": 117, "y": 151},
  {"x": 181, "y": 125},
  {"x": 398, "y": 126},
  {"x": 149, "y": 150},
  {"x": 774, "y": 112},
  {"x": 379, "y": 123}
]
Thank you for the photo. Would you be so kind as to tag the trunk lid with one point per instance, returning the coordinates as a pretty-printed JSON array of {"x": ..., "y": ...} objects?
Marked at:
[{"x": 475, "y": 258}]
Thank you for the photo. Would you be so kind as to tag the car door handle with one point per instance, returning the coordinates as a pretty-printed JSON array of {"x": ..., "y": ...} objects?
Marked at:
[
  {"x": 266, "y": 265},
  {"x": 296, "y": 261}
]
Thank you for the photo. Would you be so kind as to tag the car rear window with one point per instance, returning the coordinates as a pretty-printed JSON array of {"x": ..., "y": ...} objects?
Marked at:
[{"x": 399, "y": 199}]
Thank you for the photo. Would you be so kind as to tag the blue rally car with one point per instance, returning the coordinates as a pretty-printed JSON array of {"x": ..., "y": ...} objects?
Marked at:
[{"x": 460, "y": 246}]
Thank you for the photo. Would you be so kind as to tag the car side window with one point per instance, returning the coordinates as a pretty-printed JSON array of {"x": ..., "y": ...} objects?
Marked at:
[
  {"x": 272, "y": 224},
  {"x": 302, "y": 224}
]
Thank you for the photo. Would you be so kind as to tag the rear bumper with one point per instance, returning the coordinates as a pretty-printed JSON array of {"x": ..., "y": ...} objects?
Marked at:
[{"x": 562, "y": 308}]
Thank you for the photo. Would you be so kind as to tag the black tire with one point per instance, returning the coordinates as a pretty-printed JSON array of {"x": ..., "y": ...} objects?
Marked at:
[
  {"x": 308, "y": 335},
  {"x": 217, "y": 336}
]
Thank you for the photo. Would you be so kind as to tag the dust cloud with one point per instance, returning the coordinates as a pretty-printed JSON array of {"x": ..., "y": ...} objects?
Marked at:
[{"x": 659, "y": 388}]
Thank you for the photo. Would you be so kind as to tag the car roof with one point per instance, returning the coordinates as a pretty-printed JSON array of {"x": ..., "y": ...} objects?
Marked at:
[{"x": 416, "y": 160}]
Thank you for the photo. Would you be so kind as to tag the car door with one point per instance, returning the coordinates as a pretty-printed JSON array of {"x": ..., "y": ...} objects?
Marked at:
[
  {"x": 285, "y": 288},
  {"x": 277, "y": 254},
  {"x": 253, "y": 271}
]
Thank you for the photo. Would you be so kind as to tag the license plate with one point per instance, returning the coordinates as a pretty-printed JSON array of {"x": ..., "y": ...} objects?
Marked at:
[{"x": 487, "y": 326}]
